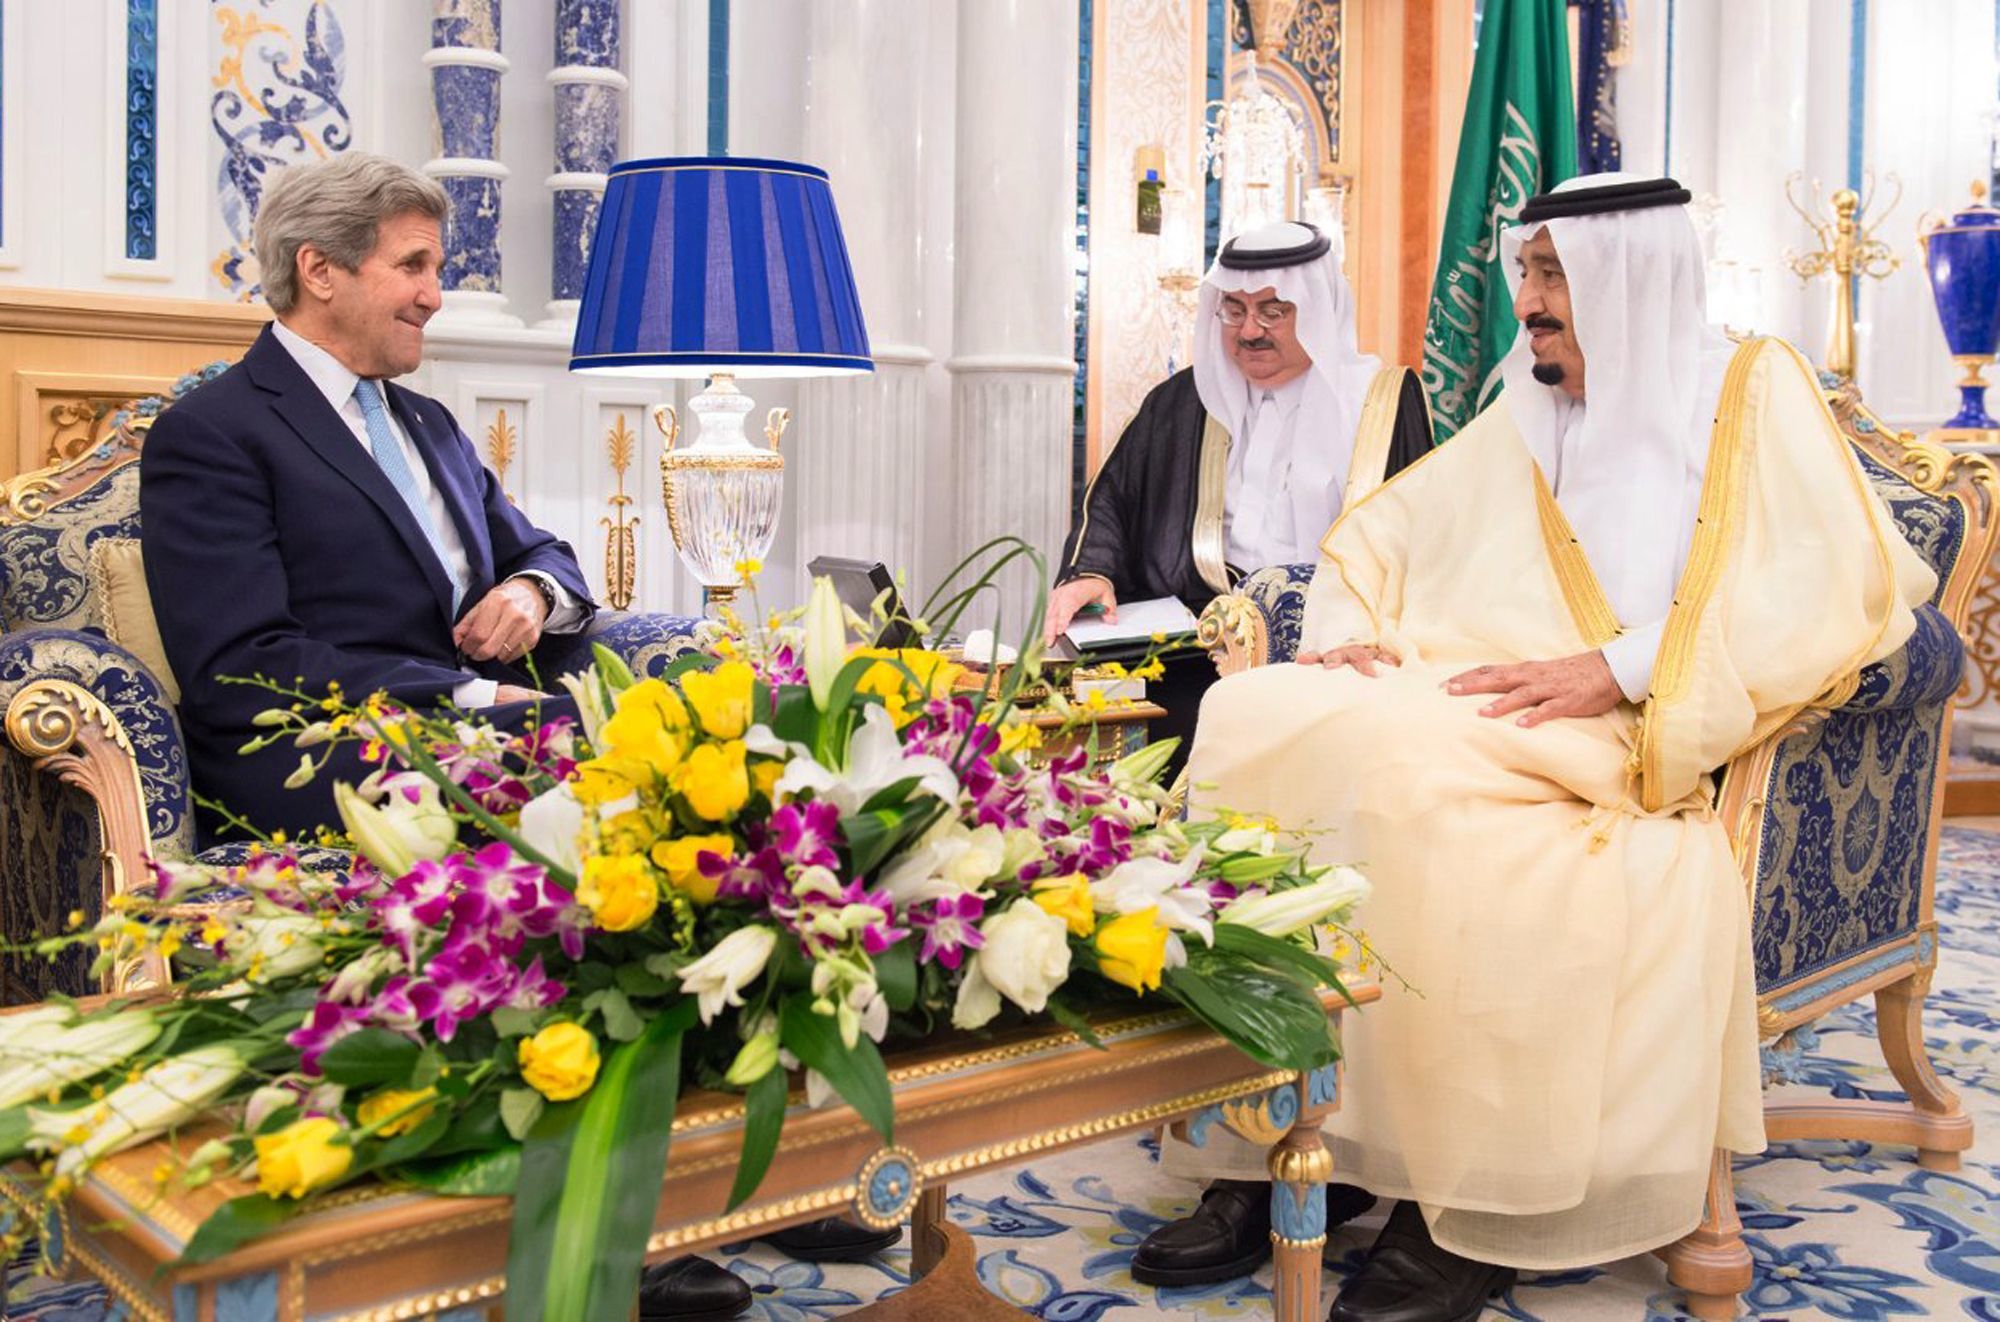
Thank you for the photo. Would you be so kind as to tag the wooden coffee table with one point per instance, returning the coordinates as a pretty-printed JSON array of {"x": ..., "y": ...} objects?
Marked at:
[{"x": 381, "y": 1253}]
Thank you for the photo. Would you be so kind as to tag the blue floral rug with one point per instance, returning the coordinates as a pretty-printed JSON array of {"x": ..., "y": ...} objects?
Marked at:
[{"x": 1838, "y": 1230}]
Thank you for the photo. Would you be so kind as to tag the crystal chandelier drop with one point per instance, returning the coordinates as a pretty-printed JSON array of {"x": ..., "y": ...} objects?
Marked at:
[{"x": 1256, "y": 147}]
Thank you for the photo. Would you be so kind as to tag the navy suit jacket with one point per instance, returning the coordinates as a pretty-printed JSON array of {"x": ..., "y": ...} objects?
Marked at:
[{"x": 275, "y": 546}]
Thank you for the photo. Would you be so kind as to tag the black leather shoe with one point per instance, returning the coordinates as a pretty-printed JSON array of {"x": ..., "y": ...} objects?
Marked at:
[
  {"x": 1229, "y": 1235},
  {"x": 1408, "y": 1278},
  {"x": 832, "y": 1239},
  {"x": 691, "y": 1289}
]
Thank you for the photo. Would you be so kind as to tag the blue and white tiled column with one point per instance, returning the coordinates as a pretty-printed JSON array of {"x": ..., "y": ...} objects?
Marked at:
[
  {"x": 589, "y": 93},
  {"x": 466, "y": 67}
]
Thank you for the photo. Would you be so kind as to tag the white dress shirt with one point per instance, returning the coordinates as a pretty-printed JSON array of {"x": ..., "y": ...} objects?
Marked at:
[
  {"x": 1630, "y": 655},
  {"x": 336, "y": 383},
  {"x": 1259, "y": 515}
]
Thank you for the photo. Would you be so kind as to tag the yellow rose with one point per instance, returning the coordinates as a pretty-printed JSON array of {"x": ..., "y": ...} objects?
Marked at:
[
  {"x": 619, "y": 891},
  {"x": 560, "y": 1062},
  {"x": 1132, "y": 950},
  {"x": 934, "y": 672},
  {"x": 1068, "y": 898},
  {"x": 721, "y": 698},
  {"x": 764, "y": 776},
  {"x": 305, "y": 1155},
  {"x": 681, "y": 861},
  {"x": 715, "y": 781},
  {"x": 643, "y": 741},
  {"x": 391, "y": 1101}
]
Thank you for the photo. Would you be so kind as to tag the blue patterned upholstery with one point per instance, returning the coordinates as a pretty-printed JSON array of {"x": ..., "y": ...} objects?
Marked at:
[
  {"x": 646, "y": 643},
  {"x": 51, "y": 844},
  {"x": 1841, "y": 847}
]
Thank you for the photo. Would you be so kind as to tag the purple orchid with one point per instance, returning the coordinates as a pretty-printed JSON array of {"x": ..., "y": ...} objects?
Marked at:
[
  {"x": 327, "y": 1024},
  {"x": 805, "y": 834},
  {"x": 950, "y": 929}
]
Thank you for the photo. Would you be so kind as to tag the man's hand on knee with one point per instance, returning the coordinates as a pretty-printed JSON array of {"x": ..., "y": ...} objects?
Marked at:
[
  {"x": 504, "y": 625},
  {"x": 1580, "y": 685},
  {"x": 1364, "y": 657}
]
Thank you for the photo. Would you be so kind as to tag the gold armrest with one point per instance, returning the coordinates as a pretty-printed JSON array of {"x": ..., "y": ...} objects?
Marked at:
[
  {"x": 67, "y": 732},
  {"x": 1232, "y": 629}
]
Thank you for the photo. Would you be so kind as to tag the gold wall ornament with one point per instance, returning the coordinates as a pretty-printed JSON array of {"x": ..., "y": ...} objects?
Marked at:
[
  {"x": 500, "y": 438},
  {"x": 1847, "y": 249},
  {"x": 621, "y": 542}
]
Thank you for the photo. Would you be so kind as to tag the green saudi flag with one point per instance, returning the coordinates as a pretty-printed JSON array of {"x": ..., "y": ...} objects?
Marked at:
[{"x": 1519, "y": 139}]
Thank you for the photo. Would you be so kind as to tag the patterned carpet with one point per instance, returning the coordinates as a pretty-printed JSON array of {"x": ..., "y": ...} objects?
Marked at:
[{"x": 1838, "y": 1230}]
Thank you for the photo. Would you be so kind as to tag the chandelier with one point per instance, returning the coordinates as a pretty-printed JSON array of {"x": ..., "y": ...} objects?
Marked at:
[{"x": 1256, "y": 147}]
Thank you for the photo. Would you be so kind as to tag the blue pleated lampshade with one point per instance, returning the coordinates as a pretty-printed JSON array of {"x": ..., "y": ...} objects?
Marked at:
[{"x": 707, "y": 264}]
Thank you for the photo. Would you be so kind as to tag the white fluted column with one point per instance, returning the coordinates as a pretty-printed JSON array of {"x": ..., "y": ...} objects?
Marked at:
[
  {"x": 1012, "y": 371},
  {"x": 861, "y": 455}
]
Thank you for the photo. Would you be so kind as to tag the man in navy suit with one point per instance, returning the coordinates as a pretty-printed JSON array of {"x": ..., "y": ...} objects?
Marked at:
[{"x": 307, "y": 519}]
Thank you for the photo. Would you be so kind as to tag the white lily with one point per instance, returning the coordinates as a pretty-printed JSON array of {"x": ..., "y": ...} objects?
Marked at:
[
  {"x": 1281, "y": 913},
  {"x": 826, "y": 640},
  {"x": 978, "y": 1000},
  {"x": 1150, "y": 882},
  {"x": 719, "y": 977},
  {"x": 950, "y": 861},
  {"x": 397, "y": 834},
  {"x": 277, "y": 944},
  {"x": 78, "y": 1052},
  {"x": 25, "y": 1035},
  {"x": 552, "y": 825},
  {"x": 170, "y": 1093},
  {"x": 591, "y": 707},
  {"x": 875, "y": 760}
]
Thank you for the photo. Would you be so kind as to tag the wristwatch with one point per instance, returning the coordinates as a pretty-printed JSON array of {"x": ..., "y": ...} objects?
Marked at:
[{"x": 543, "y": 586}]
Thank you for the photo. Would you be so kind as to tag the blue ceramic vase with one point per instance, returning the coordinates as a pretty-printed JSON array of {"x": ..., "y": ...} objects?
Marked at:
[{"x": 1962, "y": 259}]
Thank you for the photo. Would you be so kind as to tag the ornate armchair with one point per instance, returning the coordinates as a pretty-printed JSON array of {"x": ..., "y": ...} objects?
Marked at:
[
  {"x": 1834, "y": 821},
  {"x": 93, "y": 776}
]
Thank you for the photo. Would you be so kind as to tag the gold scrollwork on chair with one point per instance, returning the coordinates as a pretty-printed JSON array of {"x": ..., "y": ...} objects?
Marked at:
[
  {"x": 1232, "y": 631},
  {"x": 70, "y": 734}
]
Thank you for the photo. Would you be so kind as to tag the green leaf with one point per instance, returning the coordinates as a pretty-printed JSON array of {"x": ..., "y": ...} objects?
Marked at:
[
  {"x": 408, "y": 1147},
  {"x": 370, "y": 1056},
  {"x": 686, "y": 661},
  {"x": 429, "y": 1067},
  {"x": 511, "y": 1021},
  {"x": 637, "y": 980},
  {"x": 763, "y": 1120},
  {"x": 612, "y": 667},
  {"x": 667, "y": 965},
  {"x": 872, "y": 836},
  {"x": 1271, "y": 1017},
  {"x": 891, "y": 796},
  {"x": 520, "y": 1108},
  {"x": 793, "y": 716},
  {"x": 476, "y": 1128},
  {"x": 1275, "y": 952},
  {"x": 236, "y": 1223},
  {"x": 621, "y": 1022},
  {"x": 590, "y": 1184},
  {"x": 1074, "y": 1022},
  {"x": 896, "y": 975},
  {"x": 857, "y": 1074},
  {"x": 470, "y": 1174}
]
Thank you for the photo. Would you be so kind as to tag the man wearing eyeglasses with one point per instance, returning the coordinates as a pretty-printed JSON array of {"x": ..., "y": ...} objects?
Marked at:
[{"x": 1246, "y": 458}]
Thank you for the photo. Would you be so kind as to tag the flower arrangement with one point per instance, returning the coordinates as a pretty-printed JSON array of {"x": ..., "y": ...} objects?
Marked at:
[{"x": 777, "y": 855}]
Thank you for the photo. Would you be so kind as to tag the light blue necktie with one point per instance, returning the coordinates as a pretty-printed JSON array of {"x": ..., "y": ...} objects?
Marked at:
[{"x": 396, "y": 467}]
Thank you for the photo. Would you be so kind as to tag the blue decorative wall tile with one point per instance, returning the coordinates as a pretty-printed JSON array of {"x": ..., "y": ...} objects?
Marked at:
[
  {"x": 142, "y": 128},
  {"x": 279, "y": 68}
]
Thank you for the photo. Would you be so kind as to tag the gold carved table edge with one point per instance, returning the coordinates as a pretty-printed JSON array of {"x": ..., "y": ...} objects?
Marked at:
[{"x": 379, "y": 1253}]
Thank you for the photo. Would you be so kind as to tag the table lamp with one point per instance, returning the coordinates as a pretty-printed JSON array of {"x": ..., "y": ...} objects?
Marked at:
[{"x": 719, "y": 267}]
